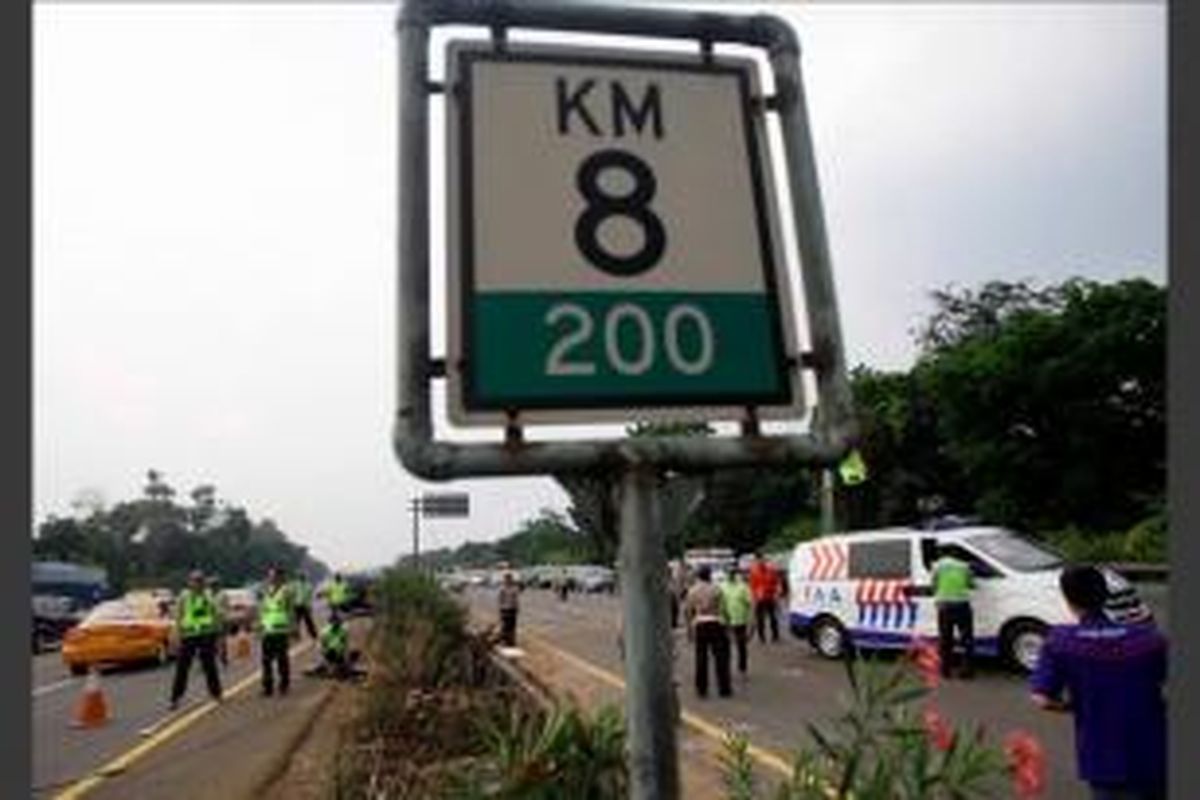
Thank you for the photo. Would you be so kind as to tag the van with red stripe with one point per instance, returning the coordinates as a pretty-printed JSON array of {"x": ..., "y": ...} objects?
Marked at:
[{"x": 872, "y": 589}]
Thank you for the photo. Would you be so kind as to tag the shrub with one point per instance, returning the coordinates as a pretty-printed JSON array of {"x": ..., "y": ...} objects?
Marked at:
[
  {"x": 891, "y": 743},
  {"x": 550, "y": 755},
  {"x": 1146, "y": 542}
]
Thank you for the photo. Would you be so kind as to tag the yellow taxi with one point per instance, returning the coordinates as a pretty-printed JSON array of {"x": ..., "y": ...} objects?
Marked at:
[{"x": 119, "y": 632}]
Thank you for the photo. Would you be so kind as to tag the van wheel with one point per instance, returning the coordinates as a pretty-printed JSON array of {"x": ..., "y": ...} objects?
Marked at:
[
  {"x": 828, "y": 638},
  {"x": 1022, "y": 644},
  {"x": 79, "y": 669}
]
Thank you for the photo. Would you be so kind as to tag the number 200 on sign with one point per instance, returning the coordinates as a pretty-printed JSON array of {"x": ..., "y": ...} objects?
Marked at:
[{"x": 644, "y": 352}]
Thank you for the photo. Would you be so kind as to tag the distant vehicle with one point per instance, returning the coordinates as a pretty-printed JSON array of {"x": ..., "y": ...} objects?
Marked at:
[
  {"x": 719, "y": 559},
  {"x": 118, "y": 632},
  {"x": 83, "y": 584},
  {"x": 241, "y": 609},
  {"x": 454, "y": 581},
  {"x": 870, "y": 590},
  {"x": 53, "y": 616},
  {"x": 592, "y": 579},
  {"x": 162, "y": 599}
]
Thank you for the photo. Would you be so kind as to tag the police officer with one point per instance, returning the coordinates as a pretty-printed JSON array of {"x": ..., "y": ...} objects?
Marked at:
[
  {"x": 275, "y": 627},
  {"x": 337, "y": 594},
  {"x": 335, "y": 647},
  {"x": 302, "y": 592},
  {"x": 952, "y": 584},
  {"x": 197, "y": 621}
]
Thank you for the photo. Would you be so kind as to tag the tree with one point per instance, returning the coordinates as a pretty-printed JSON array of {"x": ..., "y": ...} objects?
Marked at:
[{"x": 1056, "y": 413}]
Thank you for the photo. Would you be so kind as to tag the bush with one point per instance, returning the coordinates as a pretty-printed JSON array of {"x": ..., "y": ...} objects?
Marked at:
[
  {"x": 549, "y": 755},
  {"x": 1086, "y": 547},
  {"x": 424, "y": 630},
  {"x": 887, "y": 747},
  {"x": 1146, "y": 542}
]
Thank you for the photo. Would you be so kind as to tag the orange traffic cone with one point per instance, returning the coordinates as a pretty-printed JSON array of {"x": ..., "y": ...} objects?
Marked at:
[
  {"x": 241, "y": 645},
  {"x": 92, "y": 710}
]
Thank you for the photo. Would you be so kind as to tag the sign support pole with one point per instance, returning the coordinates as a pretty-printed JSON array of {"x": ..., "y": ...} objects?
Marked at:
[
  {"x": 415, "y": 505},
  {"x": 649, "y": 690}
]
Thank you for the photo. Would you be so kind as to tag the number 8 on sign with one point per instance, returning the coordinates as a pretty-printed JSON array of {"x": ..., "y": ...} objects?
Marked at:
[{"x": 635, "y": 206}]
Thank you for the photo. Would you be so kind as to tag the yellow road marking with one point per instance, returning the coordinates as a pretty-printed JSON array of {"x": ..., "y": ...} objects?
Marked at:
[
  {"x": 766, "y": 757},
  {"x": 126, "y": 759}
]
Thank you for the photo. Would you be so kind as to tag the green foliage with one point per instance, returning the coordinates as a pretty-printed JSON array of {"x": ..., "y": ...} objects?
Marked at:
[
  {"x": 879, "y": 749},
  {"x": 155, "y": 541},
  {"x": 421, "y": 630},
  {"x": 549, "y": 755},
  {"x": 547, "y": 538},
  {"x": 1144, "y": 543},
  {"x": 1051, "y": 402},
  {"x": 742, "y": 508},
  {"x": 737, "y": 767}
]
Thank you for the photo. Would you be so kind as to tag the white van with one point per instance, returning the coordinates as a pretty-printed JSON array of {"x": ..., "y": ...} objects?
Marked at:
[{"x": 871, "y": 589}]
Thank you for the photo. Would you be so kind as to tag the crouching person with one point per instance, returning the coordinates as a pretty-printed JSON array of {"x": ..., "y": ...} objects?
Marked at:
[{"x": 338, "y": 660}]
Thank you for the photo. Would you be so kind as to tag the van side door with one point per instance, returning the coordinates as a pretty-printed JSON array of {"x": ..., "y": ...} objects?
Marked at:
[{"x": 881, "y": 572}]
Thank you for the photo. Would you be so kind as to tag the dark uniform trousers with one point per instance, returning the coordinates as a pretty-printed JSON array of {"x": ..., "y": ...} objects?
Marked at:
[
  {"x": 204, "y": 645},
  {"x": 711, "y": 639},
  {"x": 275, "y": 657},
  {"x": 955, "y": 618},
  {"x": 304, "y": 614}
]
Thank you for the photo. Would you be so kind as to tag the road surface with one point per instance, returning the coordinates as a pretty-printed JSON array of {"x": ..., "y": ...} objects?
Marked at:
[
  {"x": 137, "y": 703},
  {"x": 789, "y": 685}
]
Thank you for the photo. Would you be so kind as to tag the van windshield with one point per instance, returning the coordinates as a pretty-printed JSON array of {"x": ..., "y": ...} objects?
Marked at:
[{"x": 1016, "y": 552}]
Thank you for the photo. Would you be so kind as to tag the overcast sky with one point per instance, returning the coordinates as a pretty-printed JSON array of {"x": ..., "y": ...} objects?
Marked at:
[{"x": 214, "y": 243}]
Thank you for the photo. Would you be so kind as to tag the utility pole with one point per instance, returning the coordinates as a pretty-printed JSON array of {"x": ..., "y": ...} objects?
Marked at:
[{"x": 828, "y": 521}]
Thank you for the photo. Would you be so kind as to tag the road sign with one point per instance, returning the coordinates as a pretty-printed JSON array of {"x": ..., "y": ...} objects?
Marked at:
[
  {"x": 613, "y": 239},
  {"x": 446, "y": 504}
]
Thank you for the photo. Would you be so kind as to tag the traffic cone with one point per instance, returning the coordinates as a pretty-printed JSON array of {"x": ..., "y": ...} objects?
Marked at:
[
  {"x": 92, "y": 710},
  {"x": 241, "y": 646}
]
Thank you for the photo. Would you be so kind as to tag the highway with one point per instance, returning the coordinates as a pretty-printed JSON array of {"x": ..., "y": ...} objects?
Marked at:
[
  {"x": 789, "y": 685},
  {"x": 137, "y": 704}
]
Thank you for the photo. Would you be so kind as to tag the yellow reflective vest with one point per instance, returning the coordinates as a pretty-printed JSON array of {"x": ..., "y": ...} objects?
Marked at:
[{"x": 275, "y": 611}]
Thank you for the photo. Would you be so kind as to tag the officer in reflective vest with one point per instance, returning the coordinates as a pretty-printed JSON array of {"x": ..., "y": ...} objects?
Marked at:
[
  {"x": 338, "y": 594},
  {"x": 197, "y": 621},
  {"x": 335, "y": 646},
  {"x": 302, "y": 592},
  {"x": 952, "y": 584},
  {"x": 275, "y": 627}
]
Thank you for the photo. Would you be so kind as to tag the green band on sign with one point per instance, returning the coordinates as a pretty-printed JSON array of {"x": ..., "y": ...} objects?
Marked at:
[{"x": 536, "y": 347}]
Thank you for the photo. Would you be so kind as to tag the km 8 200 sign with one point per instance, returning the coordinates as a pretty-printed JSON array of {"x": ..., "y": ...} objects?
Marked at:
[{"x": 613, "y": 239}]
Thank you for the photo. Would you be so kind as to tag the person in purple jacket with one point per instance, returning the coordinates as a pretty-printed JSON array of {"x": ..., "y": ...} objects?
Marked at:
[{"x": 1111, "y": 678}]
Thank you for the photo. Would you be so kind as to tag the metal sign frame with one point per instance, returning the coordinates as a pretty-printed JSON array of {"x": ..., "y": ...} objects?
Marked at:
[
  {"x": 413, "y": 435},
  {"x": 468, "y": 406}
]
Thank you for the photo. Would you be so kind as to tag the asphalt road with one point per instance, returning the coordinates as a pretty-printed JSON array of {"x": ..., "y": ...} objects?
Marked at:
[
  {"x": 789, "y": 685},
  {"x": 136, "y": 698}
]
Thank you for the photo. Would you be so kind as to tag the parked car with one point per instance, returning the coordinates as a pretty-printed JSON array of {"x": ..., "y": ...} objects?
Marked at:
[
  {"x": 241, "y": 609},
  {"x": 870, "y": 589},
  {"x": 119, "y": 632},
  {"x": 454, "y": 581},
  {"x": 591, "y": 579}
]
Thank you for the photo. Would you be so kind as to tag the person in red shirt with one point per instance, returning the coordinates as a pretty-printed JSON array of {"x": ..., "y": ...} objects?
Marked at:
[{"x": 765, "y": 589}]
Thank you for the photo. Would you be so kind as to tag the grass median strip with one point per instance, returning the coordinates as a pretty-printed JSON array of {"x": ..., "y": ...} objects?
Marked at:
[{"x": 124, "y": 761}]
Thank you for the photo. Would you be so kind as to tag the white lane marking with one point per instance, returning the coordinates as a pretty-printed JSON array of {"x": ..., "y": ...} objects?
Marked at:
[{"x": 54, "y": 687}]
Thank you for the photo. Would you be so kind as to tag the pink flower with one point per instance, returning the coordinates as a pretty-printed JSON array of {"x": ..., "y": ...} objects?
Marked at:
[
  {"x": 939, "y": 731},
  {"x": 928, "y": 662},
  {"x": 1027, "y": 762}
]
